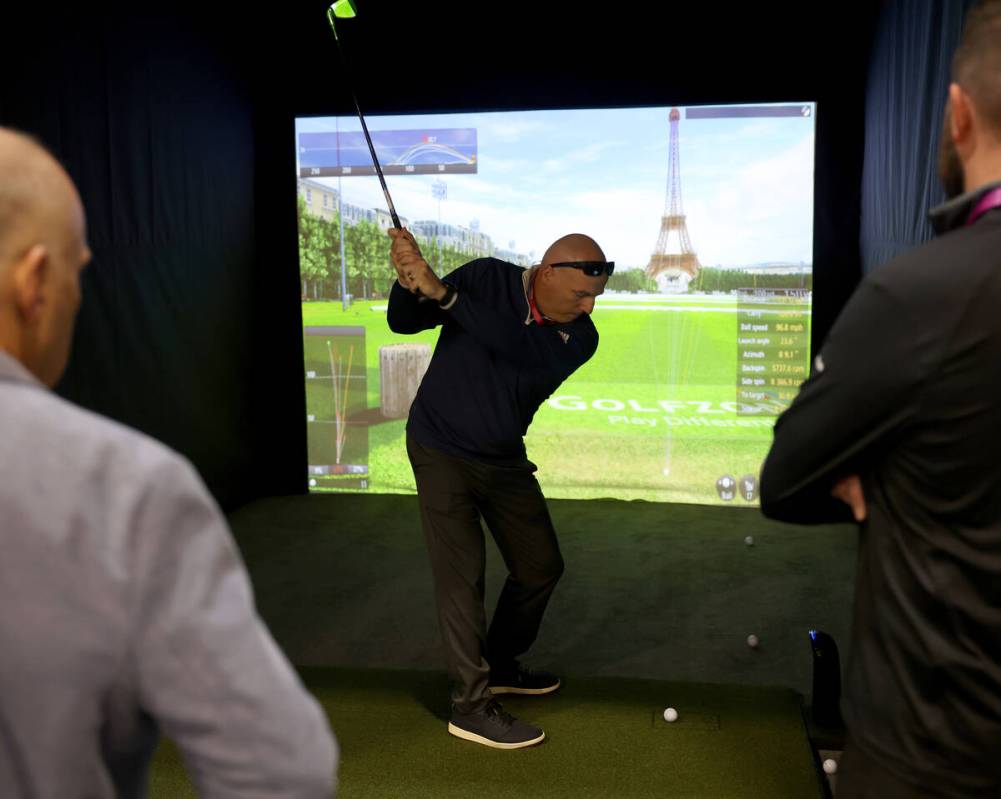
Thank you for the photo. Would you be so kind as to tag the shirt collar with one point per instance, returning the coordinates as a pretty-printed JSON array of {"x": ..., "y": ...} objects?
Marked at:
[
  {"x": 533, "y": 308},
  {"x": 13, "y": 370},
  {"x": 954, "y": 213},
  {"x": 526, "y": 283}
]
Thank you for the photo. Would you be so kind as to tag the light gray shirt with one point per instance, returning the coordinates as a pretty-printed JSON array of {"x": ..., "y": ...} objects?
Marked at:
[{"x": 125, "y": 609}]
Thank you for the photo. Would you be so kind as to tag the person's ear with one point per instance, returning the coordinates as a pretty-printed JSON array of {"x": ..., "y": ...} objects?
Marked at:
[
  {"x": 961, "y": 119},
  {"x": 31, "y": 273}
]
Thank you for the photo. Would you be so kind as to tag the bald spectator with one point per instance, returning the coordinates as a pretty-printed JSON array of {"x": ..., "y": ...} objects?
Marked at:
[{"x": 125, "y": 609}]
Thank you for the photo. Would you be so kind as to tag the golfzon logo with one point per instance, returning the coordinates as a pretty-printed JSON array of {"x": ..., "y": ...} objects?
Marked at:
[{"x": 571, "y": 402}]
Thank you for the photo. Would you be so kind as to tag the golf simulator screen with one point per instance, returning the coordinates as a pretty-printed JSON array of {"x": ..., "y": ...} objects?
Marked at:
[{"x": 707, "y": 212}]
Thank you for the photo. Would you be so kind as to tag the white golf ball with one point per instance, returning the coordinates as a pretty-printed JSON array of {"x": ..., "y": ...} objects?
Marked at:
[
  {"x": 749, "y": 540},
  {"x": 830, "y": 766},
  {"x": 752, "y": 641},
  {"x": 312, "y": 483},
  {"x": 670, "y": 714}
]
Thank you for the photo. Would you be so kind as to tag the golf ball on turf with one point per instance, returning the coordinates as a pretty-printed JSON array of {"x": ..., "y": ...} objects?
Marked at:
[
  {"x": 749, "y": 540},
  {"x": 830, "y": 766},
  {"x": 670, "y": 714},
  {"x": 752, "y": 641}
]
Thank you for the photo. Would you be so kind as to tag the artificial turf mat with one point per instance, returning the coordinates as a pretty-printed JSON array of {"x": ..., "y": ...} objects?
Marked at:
[
  {"x": 651, "y": 591},
  {"x": 606, "y": 737}
]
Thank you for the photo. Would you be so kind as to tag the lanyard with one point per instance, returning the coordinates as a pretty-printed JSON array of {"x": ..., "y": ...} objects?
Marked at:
[{"x": 988, "y": 202}]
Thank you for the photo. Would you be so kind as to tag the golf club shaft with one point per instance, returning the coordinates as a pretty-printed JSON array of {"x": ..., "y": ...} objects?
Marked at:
[
  {"x": 361, "y": 118},
  {"x": 378, "y": 168},
  {"x": 364, "y": 127}
]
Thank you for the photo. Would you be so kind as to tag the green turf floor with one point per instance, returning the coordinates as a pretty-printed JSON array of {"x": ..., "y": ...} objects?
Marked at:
[
  {"x": 651, "y": 591},
  {"x": 606, "y": 738}
]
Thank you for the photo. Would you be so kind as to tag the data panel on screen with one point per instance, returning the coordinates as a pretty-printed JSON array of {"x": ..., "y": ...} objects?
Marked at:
[{"x": 707, "y": 212}]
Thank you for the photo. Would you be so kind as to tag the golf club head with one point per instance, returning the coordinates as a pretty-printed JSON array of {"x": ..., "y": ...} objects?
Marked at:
[
  {"x": 344, "y": 9},
  {"x": 340, "y": 9}
]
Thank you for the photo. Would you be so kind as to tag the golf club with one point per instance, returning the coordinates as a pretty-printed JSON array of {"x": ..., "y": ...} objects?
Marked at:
[{"x": 345, "y": 9}]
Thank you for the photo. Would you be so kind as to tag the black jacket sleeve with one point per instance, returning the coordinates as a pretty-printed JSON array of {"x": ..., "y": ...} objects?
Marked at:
[
  {"x": 860, "y": 396},
  {"x": 407, "y": 314}
]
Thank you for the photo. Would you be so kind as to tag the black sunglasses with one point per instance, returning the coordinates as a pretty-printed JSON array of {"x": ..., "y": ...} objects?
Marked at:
[{"x": 590, "y": 268}]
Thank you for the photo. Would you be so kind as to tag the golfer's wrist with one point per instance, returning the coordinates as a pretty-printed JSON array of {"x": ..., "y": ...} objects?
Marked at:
[{"x": 447, "y": 298}]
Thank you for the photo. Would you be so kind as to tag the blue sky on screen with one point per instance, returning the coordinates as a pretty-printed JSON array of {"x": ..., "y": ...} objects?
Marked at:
[{"x": 747, "y": 183}]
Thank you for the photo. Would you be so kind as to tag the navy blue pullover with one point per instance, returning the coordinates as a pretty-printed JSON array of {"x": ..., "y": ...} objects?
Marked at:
[{"x": 492, "y": 367}]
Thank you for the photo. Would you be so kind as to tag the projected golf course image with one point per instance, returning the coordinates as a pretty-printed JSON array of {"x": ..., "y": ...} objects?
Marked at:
[{"x": 704, "y": 327}]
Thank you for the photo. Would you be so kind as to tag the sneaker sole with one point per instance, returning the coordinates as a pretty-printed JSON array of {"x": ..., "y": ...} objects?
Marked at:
[
  {"x": 458, "y": 732},
  {"x": 510, "y": 689}
]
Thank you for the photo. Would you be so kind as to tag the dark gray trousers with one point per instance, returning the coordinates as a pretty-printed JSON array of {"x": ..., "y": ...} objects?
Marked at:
[{"x": 454, "y": 493}]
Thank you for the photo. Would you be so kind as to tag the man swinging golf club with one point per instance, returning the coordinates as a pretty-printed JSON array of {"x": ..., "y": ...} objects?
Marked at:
[{"x": 509, "y": 338}]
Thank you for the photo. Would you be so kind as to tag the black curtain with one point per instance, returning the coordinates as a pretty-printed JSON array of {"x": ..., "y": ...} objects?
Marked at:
[
  {"x": 152, "y": 114},
  {"x": 905, "y": 103}
]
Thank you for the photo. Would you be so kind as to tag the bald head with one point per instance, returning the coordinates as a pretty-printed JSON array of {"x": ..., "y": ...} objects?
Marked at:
[
  {"x": 562, "y": 293},
  {"x": 573, "y": 247},
  {"x": 43, "y": 247},
  {"x": 35, "y": 193}
]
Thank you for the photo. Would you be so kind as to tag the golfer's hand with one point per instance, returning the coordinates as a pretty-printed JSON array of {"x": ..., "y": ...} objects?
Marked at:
[
  {"x": 849, "y": 491},
  {"x": 412, "y": 270}
]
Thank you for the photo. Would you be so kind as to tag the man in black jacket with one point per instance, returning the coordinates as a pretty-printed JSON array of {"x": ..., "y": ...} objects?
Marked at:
[
  {"x": 509, "y": 338},
  {"x": 898, "y": 427}
]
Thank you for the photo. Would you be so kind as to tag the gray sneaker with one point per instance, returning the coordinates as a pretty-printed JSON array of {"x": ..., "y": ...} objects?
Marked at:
[{"x": 492, "y": 726}]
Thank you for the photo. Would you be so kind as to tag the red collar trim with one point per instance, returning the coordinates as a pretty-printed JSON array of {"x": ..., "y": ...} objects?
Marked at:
[{"x": 536, "y": 313}]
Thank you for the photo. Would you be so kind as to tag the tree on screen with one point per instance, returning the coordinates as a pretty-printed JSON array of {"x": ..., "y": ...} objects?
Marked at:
[{"x": 319, "y": 251}]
